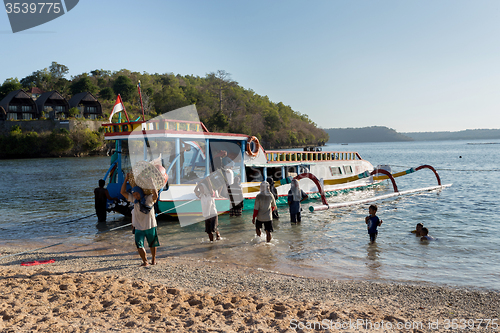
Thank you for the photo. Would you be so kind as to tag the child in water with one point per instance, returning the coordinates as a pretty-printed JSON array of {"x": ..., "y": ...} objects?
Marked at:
[
  {"x": 372, "y": 223},
  {"x": 425, "y": 235},
  {"x": 418, "y": 230}
]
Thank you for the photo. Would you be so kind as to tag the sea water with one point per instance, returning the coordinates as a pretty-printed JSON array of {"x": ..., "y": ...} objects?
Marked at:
[{"x": 48, "y": 201}]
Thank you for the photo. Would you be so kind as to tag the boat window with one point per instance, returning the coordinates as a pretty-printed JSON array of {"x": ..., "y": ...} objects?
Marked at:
[
  {"x": 192, "y": 161},
  {"x": 335, "y": 171},
  {"x": 274, "y": 173},
  {"x": 291, "y": 172},
  {"x": 347, "y": 169},
  {"x": 254, "y": 174}
]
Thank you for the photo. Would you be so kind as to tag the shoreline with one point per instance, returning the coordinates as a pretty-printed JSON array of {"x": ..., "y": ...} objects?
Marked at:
[
  {"x": 41, "y": 250},
  {"x": 188, "y": 294}
]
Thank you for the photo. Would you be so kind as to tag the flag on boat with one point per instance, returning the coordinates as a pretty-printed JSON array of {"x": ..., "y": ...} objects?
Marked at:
[{"x": 118, "y": 107}]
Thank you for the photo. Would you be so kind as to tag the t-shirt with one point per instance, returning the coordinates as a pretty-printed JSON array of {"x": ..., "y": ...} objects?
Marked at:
[
  {"x": 100, "y": 197},
  {"x": 142, "y": 221},
  {"x": 264, "y": 204},
  {"x": 208, "y": 207},
  {"x": 373, "y": 224},
  {"x": 295, "y": 205}
]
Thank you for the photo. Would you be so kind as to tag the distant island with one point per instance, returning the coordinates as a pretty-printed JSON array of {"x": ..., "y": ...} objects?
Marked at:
[
  {"x": 365, "y": 134},
  {"x": 385, "y": 134},
  {"x": 470, "y": 134}
]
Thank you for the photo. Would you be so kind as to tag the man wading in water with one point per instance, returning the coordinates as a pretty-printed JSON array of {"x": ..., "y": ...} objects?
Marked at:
[{"x": 101, "y": 199}]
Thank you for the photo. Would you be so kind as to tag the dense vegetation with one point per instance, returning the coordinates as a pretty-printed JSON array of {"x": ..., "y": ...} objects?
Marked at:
[
  {"x": 19, "y": 144},
  {"x": 222, "y": 104},
  {"x": 365, "y": 134}
]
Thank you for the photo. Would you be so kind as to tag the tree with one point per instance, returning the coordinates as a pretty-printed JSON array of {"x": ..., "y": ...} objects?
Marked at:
[
  {"x": 73, "y": 112},
  {"x": 124, "y": 86},
  {"x": 217, "y": 122},
  {"x": 59, "y": 142},
  {"x": 8, "y": 86},
  {"x": 147, "y": 103},
  {"x": 62, "y": 86},
  {"x": 40, "y": 79},
  {"x": 82, "y": 85},
  {"x": 100, "y": 73},
  {"x": 106, "y": 93},
  {"x": 58, "y": 71},
  {"x": 219, "y": 84}
]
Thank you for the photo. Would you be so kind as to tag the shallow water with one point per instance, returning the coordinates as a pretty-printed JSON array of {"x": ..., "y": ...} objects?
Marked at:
[{"x": 49, "y": 200}]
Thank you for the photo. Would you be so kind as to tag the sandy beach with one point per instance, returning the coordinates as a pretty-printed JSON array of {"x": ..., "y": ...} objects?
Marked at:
[{"x": 90, "y": 289}]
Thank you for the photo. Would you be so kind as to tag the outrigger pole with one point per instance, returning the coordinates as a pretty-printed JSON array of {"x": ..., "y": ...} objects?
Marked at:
[
  {"x": 388, "y": 175},
  {"x": 140, "y": 96}
]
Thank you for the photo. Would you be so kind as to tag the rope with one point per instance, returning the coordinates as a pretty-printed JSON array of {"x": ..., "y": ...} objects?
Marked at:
[
  {"x": 48, "y": 219},
  {"x": 78, "y": 219},
  {"x": 45, "y": 247},
  {"x": 19, "y": 253},
  {"x": 176, "y": 207},
  {"x": 461, "y": 170}
]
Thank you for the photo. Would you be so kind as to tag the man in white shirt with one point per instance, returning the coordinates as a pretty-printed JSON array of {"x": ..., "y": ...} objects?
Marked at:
[{"x": 143, "y": 220}]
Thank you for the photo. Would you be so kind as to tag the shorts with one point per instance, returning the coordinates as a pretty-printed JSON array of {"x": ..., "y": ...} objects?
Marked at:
[
  {"x": 268, "y": 225},
  {"x": 373, "y": 236},
  {"x": 211, "y": 224},
  {"x": 150, "y": 234}
]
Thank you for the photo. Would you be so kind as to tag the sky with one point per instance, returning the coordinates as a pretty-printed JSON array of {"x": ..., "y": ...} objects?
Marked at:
[{"x": 413, "y": 66}]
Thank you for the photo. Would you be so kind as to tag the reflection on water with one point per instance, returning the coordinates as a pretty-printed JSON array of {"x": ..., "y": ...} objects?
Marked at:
[
  {"x": 372, "y": 256},
  {"x": 43, "y": 199}
]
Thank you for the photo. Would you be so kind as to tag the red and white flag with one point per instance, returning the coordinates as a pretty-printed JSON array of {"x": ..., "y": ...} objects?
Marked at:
[{"x": 117, "y": 108}]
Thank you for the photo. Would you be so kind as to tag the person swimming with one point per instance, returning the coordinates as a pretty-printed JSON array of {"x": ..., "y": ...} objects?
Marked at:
[
  {"x": 418, "y": 230},
  {"x": 425, "y": 235}
]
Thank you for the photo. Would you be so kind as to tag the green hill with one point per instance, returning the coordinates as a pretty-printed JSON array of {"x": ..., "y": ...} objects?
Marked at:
[
  {"x": 365, "y": 134},
  {"x": 470, "y": 134},
  {"x": 222, "y": 104}
]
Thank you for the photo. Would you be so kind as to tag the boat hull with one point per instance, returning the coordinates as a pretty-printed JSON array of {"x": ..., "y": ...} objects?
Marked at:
[{"x": 185, "y": 202}]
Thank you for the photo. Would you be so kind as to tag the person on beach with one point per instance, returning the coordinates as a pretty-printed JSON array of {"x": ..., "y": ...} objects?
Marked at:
[
  {"x": 295, "y": 197},
  {"x": 418, "y": 230},
  {"x": 101, "y": 200},
  {"x": 236, "y": 196},
  {"x": 143, "y": 220},
  {"x": 206, "y": 194},
  {"x": 274, "y": 192},
  {"x": 425, "y": 235},
  {"x": 262, "y": 210},
  {"x": 372, "y": 223}
]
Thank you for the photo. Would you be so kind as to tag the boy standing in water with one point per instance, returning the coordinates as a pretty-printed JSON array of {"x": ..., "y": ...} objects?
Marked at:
[
  {"x": 143, "y": 220},
  {"x": 372, "y": 223}
]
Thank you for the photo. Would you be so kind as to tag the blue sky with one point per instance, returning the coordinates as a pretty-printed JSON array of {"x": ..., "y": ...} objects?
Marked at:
[{"x": 408, "y": 65}]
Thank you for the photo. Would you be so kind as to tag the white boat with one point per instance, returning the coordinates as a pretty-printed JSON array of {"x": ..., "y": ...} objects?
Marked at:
[
  {"x": 190, "y": 153},
  {"x": 187, "y": 145}
]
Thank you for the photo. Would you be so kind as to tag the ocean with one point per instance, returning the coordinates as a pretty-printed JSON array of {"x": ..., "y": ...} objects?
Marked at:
[{"x": 48, "y": 201}]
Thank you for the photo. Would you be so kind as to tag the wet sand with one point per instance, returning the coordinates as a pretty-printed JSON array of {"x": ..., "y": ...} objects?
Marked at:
[{"x": 97, "y": 289}]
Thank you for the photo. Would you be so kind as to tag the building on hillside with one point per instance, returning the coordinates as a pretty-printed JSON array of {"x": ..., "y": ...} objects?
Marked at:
[
  {"x": 53, "y": 105},
  {"x": 18, "y": 105},
  {"x": 35, "y": 93},
  {"x": 88, "y": 105}
]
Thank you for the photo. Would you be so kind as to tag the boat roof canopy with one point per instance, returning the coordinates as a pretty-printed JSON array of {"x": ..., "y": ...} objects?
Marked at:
[
  {"x": 278, "y": 165},
  {"x": 173, "y": 135}
]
